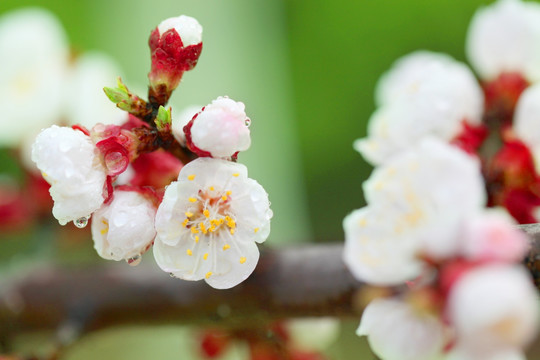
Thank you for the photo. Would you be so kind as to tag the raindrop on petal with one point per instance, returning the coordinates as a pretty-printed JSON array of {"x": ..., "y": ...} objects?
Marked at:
[
  {"x": 172, "y": 275},
  {"x": 247, "y": 122},
  {"x": 81, "y": 222}
]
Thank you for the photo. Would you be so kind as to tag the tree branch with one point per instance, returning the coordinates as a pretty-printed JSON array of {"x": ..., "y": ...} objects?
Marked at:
[{"x": 294, "y": 282}]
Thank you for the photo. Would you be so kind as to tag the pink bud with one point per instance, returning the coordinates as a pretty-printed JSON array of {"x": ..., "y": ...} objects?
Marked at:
[{"x": 175, "y": 46}]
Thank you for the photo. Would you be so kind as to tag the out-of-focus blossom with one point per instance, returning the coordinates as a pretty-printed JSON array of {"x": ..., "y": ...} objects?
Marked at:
[
  {"x": 493, "y": 236},
  {"x": 527, "y": 121},
  {"x": 86, "y": 103},
  {"x": 397, "y": 331},
  {"x": 209, "y": 222},
  {"x": 505, "y": 38},
  {"x": 313, "y": 334},
  {"x": 417, "y": 203},
  {"x": 220, "y": 130},
  {"x": 124, "y": 229},
  {"x": 493, "y": 309},
  {"x": 33, "y": 72},
  {"x": 424, "y": 94}
]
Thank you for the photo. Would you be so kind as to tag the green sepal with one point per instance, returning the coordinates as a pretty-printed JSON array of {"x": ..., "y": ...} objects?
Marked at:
[
  {"x": 118, "y": 95},
  {"x": 163, "y": 120}
]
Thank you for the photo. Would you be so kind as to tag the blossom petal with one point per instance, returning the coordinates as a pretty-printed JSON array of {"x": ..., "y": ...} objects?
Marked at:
[{"x": 396, "y": 331}]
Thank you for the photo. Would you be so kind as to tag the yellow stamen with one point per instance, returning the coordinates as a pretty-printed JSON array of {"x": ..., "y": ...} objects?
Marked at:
[
  {"x": 211, "y": 188},
  {"x": 192, "y": 200},
  {"x": 229, "y": 192},
  {"x": 224, "y": 198},
  {"x": 196, "y": 239},
  {"x": 232, "y": 231},
  {"x": 104, "y": 231},
  {"x": 184, "y": 224},
  {"x": 194, "y": 230},
  {"x": 205, "y": 256},
  {"x": 203, "y": 228},
  {"x": 226, "y": 247},
  {"x": 189, "y": 252},
  {"x": 188, "y": 214},
  {"x": 206, "y": 213},
  {"x": 255, "y": 230},
  {"x": 242, "y": 260},
  {"x": 191, "y": 177},
  {"x": 208, "y": 274},
  {"x": 236, "y": 174}
]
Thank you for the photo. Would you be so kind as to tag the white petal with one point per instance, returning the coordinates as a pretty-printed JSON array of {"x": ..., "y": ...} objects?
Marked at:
[
  {"x": 67, "y": 160},
  {"x": 505, "y": 37},
  {"x": 124, "y": 228},
  {"x": 427, "y": 193},
  {"x": 396, "y": 332},
  {"x": 33, "y": 72},
  {"x": 188, "y": 28},
  {"x": 209, "y": 222},
  {"x": 527, "y": 119},
  {"x": 374, "y": 253},
  {"x": 494, "y": 306},
  {"x": 221, "y": 128},
  {"x": 424, "y": 94},
  {"x": 181, "y": 119},
  {"x": 87, "y": 104}
]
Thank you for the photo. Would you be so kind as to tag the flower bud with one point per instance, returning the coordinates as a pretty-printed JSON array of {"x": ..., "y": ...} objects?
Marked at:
[
  {"x": 175, "y": 46},
  {"x": 220, "y": 130},
  {"x": 68, "y": 160},
  {"x": 124, "y": 229}
]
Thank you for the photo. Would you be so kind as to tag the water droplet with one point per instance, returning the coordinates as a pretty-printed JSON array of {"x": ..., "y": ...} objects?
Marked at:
[
  {"x": 81, "y": 222},
  {"x": 172, "y": 275},
  {"x": 134, "y": 261},
  {"x": 247, "y": 122}
]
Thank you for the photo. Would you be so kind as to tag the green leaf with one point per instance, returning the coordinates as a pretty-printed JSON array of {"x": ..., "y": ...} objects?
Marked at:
[{"x": 163, "y": 120}]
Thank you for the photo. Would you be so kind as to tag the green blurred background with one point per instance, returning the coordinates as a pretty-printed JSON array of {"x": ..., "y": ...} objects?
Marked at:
[{"x": 306, "y": 70}]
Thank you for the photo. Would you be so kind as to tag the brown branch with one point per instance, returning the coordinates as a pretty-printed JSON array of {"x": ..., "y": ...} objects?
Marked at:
[{"x": 293, "y": 282}]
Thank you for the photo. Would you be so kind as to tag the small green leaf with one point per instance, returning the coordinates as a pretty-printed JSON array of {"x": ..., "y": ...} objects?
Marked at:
[
  {"x": 163, "y": 120},
  {"x": 116, "y": 95}
]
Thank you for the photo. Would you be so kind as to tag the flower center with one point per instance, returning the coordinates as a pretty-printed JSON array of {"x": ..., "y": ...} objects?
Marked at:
[{"x": 210, "y": 213}]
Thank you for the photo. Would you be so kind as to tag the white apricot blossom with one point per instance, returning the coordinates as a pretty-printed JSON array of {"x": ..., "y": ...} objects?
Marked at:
[
  {"x": 313, "y": 334},
  {"x": 209, "y": 222},
  {"x": 424, "y": 94},
  {"x": 86, "y": 103},
  {"x": 221, "y": 128},
  {"x": 397, "y": 331},
  {"x": 494, "y": 309},
  {"x": 124, "y": 229},
  {"x": 68, "y": 161},
  {"x": 417, "y": 204},
  {"x": 181, "y": 119},
  {"x": 527, "y": 119},
  {"x": 188, "y": 28},
  {"x": 33, "y": 71},
  {"x": 492, "y": 235},
  {"x": 505, "y": 37}
]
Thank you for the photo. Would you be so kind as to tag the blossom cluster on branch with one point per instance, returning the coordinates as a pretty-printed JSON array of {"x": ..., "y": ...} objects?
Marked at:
[
  {"x": 457, "y": 165},
  {"x": 152, "y": 181}
]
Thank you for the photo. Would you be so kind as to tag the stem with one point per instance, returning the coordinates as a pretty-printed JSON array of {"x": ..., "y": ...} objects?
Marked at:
[
  {"x": 152, "y": 140},
  {"x": 311, "y": 280}
]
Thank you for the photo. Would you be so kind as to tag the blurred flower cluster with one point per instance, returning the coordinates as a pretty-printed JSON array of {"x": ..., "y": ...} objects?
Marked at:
[{"x": 457, "y": 164}]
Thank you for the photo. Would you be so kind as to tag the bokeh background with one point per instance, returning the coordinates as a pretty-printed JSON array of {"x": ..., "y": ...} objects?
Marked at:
[{"x": 306, "y": 70}]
